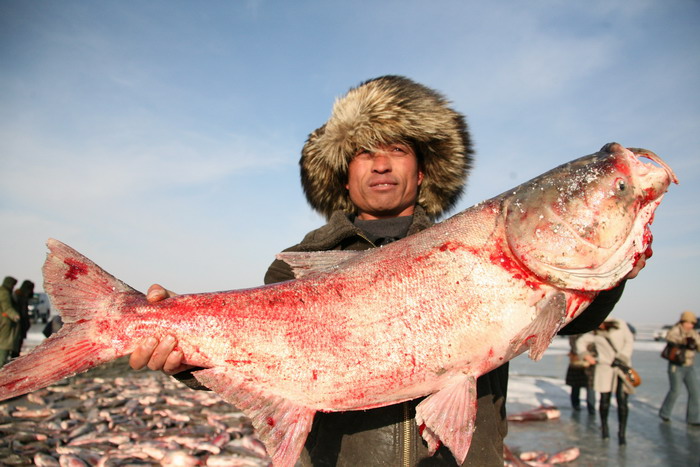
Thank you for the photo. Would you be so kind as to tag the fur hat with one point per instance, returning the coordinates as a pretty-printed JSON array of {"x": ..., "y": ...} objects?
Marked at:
[
  {"x": 689, "y": 316},
  {"x": 385, "y": 110}
]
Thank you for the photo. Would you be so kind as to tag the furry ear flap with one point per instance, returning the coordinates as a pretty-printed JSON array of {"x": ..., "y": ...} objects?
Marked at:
[{"x": 387, "y": 110}]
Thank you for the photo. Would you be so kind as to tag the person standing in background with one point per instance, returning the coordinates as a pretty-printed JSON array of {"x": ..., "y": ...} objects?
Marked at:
[
  {"x": 579, "y": 375},
  {"x": 612, "y": 341},
  {"x": 22, "y": 297},
  {"x": 9, "y": 320},
  {"x": 685, "y": 335}
]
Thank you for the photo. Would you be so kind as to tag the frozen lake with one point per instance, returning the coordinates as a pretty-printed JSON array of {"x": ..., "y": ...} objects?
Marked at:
[{"x": 650, "y": 442}]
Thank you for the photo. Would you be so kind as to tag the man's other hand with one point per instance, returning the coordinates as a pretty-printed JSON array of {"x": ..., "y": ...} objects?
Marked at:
[
  {"x": 158, "y": 355},
  {"x": 639, "y": 265}
]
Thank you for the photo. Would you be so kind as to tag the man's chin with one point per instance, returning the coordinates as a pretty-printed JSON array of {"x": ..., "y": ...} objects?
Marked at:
[{"x": 385, "y": 212}]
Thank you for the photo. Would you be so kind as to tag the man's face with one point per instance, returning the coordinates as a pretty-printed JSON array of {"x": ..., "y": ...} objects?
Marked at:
[{"x": 384, "y": 183}]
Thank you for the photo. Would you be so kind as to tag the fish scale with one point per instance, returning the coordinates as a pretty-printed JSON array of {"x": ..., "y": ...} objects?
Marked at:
[{"x": 423, "y": 316}]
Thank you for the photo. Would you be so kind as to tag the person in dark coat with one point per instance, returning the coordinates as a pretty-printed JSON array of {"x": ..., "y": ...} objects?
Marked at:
[
  {"x": 23, "y": 295},
  {"x": 393, "y": 157},
  {"x": 579, "y": 375},
  {"x": 9, "y": 319}
]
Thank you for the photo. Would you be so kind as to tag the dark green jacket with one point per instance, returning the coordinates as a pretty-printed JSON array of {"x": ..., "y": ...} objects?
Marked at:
[
  {"x": 388, "y": 435},
  {"x": 9, "y": 320}
]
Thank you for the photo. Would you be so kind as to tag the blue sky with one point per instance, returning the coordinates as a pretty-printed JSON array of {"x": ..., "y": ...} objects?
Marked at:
[{"x": 161, "y": 139}]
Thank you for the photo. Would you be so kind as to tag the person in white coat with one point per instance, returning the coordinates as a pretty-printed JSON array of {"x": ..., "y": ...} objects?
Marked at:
[{"x": 612, "y": 341}]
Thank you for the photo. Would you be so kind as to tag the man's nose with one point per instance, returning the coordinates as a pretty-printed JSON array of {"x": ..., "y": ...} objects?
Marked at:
[{"x": 381, "y": 162}]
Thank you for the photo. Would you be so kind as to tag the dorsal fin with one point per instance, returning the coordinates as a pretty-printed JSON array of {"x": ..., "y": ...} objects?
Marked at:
[{"x": 304, "y": 263}]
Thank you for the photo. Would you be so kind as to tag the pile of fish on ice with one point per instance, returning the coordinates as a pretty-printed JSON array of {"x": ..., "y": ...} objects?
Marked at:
[{"x": 119, "y": 417}]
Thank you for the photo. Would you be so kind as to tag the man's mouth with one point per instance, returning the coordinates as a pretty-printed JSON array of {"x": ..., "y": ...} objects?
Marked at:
[{"x": 379, "y": 184}]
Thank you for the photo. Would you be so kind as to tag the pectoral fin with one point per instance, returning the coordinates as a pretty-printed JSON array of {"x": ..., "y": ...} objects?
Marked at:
[
  {"x": 280, "y": 424},
  {"x": 551, "y": 311},
  {"x": 449, "y": 417}
]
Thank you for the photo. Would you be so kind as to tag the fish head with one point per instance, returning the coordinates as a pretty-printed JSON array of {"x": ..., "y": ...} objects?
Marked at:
[{"x": 585, "y": 224}]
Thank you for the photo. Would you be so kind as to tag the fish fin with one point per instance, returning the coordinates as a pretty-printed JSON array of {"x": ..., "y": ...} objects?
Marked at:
[
  {"x": 280, "y": 424},
  {"x": 449, "y": 417},
  {"x": 551, "y": 312},
  {"x": 77, "y": 287},
  {"x": 66, "y": 353},
  {"x": 304, "y": 263},
  {"x": 80, "y": 291}
]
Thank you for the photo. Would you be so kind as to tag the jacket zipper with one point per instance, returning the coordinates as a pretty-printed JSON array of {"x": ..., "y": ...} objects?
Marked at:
[
  {"x": 361, "y": 234},
  {"x": 406, "y": 425},
  {"x": 407, "y": 422}
]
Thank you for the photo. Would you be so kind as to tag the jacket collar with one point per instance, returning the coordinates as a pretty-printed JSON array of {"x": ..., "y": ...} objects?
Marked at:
[{"x": 340, "y": 230}]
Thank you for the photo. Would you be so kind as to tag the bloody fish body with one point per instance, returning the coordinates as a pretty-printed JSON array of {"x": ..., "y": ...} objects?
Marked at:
[{"x": 424, "y": 316}]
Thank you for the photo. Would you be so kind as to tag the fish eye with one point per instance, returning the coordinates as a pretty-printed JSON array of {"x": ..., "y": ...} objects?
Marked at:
[{"x": 620, "y": 184}]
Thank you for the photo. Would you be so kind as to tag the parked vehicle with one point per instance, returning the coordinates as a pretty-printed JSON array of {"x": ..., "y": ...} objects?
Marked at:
[{"x": 39, "y": 308}]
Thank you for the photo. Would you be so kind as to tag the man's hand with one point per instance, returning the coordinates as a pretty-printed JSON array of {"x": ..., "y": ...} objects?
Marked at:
[
  {"x": 639, "y": 265},
  {"x": 158, "y": 355}
]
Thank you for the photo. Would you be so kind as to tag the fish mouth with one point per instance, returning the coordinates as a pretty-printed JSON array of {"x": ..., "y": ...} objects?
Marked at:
[{"x": 647, "y": 154}]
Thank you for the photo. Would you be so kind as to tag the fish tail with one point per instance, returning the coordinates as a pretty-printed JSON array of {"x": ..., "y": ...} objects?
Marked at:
[
  {"x": 79, "y": 289},
  {"x": 64, "y": 354},
  {"x": 82, "y": 293}
]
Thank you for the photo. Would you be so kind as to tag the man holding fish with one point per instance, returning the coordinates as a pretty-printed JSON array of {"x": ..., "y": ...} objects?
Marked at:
[{"x": 392, "y": 158}]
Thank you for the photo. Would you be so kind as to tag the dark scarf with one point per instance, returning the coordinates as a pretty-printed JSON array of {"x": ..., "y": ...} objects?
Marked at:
[{"x": 384, "y": 231}]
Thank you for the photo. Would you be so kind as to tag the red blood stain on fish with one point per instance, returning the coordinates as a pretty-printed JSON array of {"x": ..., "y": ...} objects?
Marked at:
[
  {"x": 239, "y": 362},
  {"x": 285, "y": 299},
  {"x": 650, "y": 195},
  {"x": 576, "y": 300},
  {"x": 422, "y": 428},
  {"x": 449, "y": 246},
  {"x": 11, "y": 385},
  {"x": 75, "y": 269},
  {"x": 517, "y": 270},
  {"x": 623, "y": 168},
  {"x": 104, "y": 326},
  {"x": 270, "y": 421},
  {"x": 527, "y": 339}
]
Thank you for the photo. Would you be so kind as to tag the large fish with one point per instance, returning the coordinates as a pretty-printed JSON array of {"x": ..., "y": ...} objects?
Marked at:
[{"x": 424, "y": 316}]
